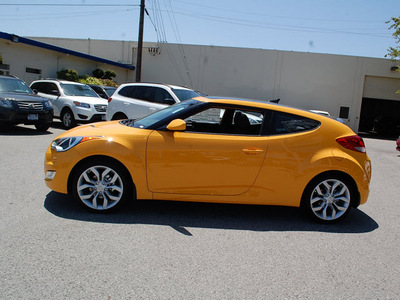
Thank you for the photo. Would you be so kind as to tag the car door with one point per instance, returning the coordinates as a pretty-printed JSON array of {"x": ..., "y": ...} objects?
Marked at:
[
  {"x": 204, "y": 162},
  {"x": 157, "y": 98}
]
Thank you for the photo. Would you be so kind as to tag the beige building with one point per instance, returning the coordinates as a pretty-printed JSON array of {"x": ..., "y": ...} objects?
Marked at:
[{"x": 358, "y": 89}]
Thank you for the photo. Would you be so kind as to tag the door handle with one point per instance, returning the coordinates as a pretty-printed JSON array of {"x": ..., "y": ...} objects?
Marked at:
[{"x": 252, "y": 150}]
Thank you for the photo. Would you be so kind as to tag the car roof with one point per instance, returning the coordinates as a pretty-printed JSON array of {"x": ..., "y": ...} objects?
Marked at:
[
  {"x": 259, "y": 104},
  {"x": 58, "y": 80},
  {"x": 155, "y": 84},
  {"x": 10, "y": 77}
]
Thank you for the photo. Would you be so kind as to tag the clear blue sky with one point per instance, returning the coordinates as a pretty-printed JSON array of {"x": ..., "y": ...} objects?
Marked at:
[{"x": 348, "y": 27}]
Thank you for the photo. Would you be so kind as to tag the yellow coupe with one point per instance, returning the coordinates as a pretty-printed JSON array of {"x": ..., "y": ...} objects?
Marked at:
[{"x": 215, "y": 150}]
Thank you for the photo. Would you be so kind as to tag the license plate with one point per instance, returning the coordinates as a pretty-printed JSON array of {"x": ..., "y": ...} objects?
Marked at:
[
  {"x": 103, "y": 117},
  {"x": 33, "y": 117}
]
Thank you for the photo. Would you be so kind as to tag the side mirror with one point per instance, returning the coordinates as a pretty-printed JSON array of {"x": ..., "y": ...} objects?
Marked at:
[
  {"x": 55, "y": 92},
  {"x": 177, "y": 125},
  {"x": 169, "y": 101},
  {"x": 35, "y": 91}
]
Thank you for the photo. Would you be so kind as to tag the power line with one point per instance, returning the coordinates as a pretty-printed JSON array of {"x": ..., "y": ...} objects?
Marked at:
[
  {"x": 66, "y": 4},
  {"x": 275, "y": 16}
]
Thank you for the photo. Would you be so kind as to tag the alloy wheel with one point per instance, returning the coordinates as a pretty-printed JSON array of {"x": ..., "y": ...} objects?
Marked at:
[
  {"x": 100, "y": 187},
  {"x": 330, "y": 199}
]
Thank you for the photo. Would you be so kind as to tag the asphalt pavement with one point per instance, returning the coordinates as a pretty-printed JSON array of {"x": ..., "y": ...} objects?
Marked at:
[{"x": 51, "y": 248}]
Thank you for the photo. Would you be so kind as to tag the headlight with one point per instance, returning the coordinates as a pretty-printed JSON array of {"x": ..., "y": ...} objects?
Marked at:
[
  {"x": 81, "y": 104},
  {"x": 47, "y": 104},
  {"x": 64, "y": 144},
  {"x": 5, "y": 102}
]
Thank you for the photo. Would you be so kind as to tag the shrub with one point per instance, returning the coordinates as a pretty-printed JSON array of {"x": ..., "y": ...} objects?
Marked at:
[
  {"x": 109, "y": 75},
  {"x": 90, "y": 80},
  {"x": 109, "y": 82},
  {"x": 98, "y": 73},
  {"x": 70, "y": 75}
]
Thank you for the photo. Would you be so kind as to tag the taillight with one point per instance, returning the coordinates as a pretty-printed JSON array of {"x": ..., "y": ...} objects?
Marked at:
[
  {"x": 353, "y": 142},
  {"x": 109, "y": 100}
]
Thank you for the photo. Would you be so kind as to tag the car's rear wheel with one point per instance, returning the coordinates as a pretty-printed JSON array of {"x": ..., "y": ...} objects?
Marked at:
[
  {"x": 119, "y": 116},
  {"x": 101, "y": 185},
  {"x": 328, "y": 198},
  {"x": 67, "y": 118}
]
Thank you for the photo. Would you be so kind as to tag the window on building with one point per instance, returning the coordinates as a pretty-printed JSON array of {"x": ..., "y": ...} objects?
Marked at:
[{"x": 4, "y": 69}]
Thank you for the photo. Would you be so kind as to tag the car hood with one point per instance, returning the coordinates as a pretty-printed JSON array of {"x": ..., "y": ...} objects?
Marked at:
[
  {"x": 106, "y": 129},
  {"x": 90, "y": 100},
  {"x": 22, "y": 97}
]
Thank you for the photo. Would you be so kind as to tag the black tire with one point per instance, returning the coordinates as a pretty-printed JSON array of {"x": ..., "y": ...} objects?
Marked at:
[
  {"x": 42, "y": 126},
  {"x": 119, "y": 116},
  {"x": 67, "y": 118},
  {"x": 328, "y": 198},
  {"x": 101, "y": 185}
]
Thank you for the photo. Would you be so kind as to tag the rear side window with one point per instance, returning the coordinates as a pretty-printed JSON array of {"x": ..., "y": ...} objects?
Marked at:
[
  {"x": 288, "y": 123},
  {"x": 138, "y": 92},
  {"x": 144, "y": 93},
  {"x": 45, "y": 87},
  {"x": 127, "y": 91}
]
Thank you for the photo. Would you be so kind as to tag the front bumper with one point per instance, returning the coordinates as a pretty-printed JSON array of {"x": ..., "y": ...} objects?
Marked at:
[{"x": 13, "y": 116}]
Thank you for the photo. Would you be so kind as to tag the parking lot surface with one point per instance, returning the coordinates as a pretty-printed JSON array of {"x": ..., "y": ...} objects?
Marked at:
[{"x": 51, "y": 248}]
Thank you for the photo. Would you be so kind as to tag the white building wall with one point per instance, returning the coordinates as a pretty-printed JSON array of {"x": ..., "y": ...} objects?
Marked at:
[{"x": 20, "y": 56}]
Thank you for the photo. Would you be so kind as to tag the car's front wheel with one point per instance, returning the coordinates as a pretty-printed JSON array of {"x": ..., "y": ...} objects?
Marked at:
[
  {"x": 328, "y": 198},
  {"x": 67, "y": 118},
  {"x": 101, "y": 185},
  {"x": 42, "y": 126}
]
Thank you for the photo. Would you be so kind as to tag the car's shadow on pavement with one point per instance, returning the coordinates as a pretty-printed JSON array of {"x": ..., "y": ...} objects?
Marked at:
[
  {"x": 28, "y": 130},
  {"x": 22, "y": 131},
  {"x": 185, "y": 215}
]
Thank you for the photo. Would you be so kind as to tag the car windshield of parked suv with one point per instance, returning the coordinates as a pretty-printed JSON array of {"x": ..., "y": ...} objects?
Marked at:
[
  {"x": 11, "y": 85},
  {"x": 185, "y": 94},
  {"x": 78, "y": 90}
]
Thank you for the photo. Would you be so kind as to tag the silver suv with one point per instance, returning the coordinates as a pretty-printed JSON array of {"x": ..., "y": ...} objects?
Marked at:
[
  {"x": 72, "y": 101},
  {"x": 136, "y": 100}
]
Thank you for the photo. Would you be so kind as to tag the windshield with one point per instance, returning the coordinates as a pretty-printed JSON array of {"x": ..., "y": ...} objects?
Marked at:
[
  {"x": 185, "y": 94},
  {"x": 78, "y": 90},
  {"x": 165, "y": 113},
  {"x": 12, "y": 85}
]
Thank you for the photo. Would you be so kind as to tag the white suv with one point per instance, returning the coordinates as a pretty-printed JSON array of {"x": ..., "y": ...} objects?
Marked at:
[
  {"x": 136, "y": 100},
  {"x": 72, "y": 101}
]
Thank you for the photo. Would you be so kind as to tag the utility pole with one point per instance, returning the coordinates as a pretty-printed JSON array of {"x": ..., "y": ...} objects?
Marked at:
[{"x": 140, "y": 43}]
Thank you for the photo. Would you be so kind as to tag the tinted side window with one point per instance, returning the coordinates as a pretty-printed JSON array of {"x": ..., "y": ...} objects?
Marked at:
[
  {"x": 289, "y": 123},
  {"x": 144, "y": 93},
  {"x": 162, "y": 95},
  {"x": 46, "y": 87},
  {"x": 36, "y": 86},
  {"x": 127, "y": 91}
]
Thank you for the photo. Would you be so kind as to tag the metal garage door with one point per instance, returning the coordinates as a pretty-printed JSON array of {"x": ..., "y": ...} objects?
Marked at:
[
  {"x": 381, "y": 88},
  {"x": 380, "y": 109}
]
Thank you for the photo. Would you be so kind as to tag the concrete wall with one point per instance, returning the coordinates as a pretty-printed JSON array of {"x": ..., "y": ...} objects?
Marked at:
[{"x": 306, "y": 80}]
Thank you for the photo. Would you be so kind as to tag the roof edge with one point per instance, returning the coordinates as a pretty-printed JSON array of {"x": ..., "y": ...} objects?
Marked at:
[{"x": 18, "y": 39}]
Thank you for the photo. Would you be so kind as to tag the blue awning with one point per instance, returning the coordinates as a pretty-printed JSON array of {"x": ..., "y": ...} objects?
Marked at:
[{"x": 18, "y": 39}]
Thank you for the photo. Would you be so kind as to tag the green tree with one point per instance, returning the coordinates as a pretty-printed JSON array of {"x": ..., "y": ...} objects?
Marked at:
[{"x": 394, "y": 52}]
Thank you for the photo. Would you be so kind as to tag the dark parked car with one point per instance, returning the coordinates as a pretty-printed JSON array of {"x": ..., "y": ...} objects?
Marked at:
[
  {"x": 103, "y": 91},
  {"x": 20, "y": 105}
]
